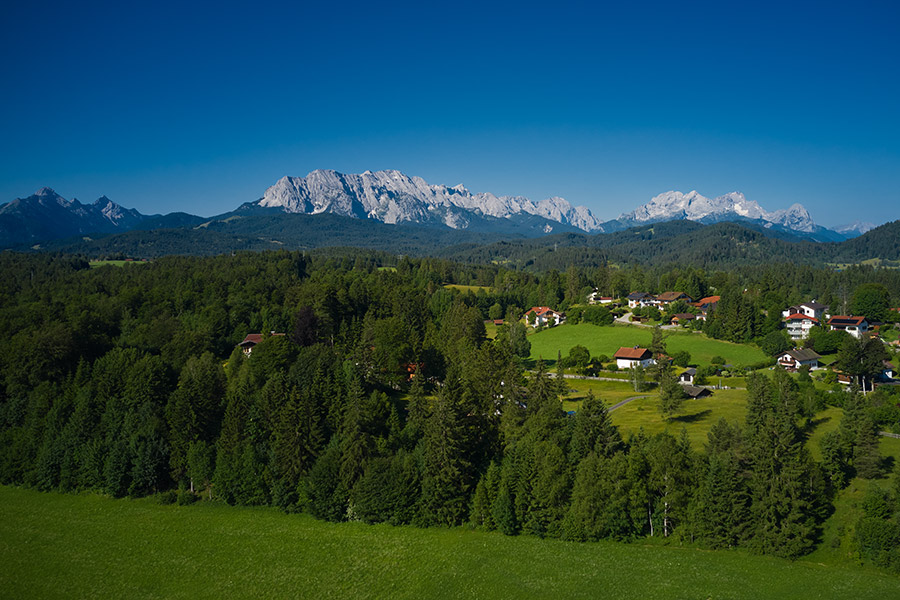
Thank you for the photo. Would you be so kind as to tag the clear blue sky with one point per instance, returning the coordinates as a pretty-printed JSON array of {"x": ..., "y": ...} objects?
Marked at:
[{"x": 182, "y": 106}]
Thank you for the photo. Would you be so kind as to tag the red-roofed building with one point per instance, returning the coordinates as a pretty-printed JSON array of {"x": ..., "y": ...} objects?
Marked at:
[
  {"x": 628, "y": 358},
  {"x": 855, "y": 326},
  {"x": 544, "y": 315},
  {"x": 706, "y": 305},
  {"x": 252, "y": 340},
  {"x": 798, "y": 325}
]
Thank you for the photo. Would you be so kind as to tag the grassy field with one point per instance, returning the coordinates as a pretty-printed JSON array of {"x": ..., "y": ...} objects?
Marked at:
[
  {"x": 467, "y": 288},
  {"x": 114, "y": 263},
  {"x": 78, "y": 546},
  {"x": 606, "y": 340}
]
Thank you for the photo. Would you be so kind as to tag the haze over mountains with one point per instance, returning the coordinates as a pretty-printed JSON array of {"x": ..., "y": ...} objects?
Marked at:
[{"x": 392, "y": 197}]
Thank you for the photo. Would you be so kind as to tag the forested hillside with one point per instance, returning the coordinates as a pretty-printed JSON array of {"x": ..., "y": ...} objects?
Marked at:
[{"x": 385, "y": 401}]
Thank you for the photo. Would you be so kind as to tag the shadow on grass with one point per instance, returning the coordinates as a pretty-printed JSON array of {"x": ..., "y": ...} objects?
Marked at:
[
  {"x": 813, "y": 423},
  {"x": 692, "y": 418}
]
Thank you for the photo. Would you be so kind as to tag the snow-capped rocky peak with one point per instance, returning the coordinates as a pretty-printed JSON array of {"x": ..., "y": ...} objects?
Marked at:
[
  {"x": 393, "y": 197},
  {"x": 855, "y": 228},
  {"x": 696, "y": 207}
]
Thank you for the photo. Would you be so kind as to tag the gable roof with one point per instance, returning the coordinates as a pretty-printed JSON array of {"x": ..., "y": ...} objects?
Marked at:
[
  {"x": 800, "y": 317},
  {"x": 695, "y": 392},
  {"x": 634, "y": 353},
  {"x": 846, "y": 321},
  {"x": 815, "y": 305},
  {"x": 689, "y": 371},
  {"x": 671, "y": 296},
  {"x": 637, "y": 295},
  {"x": 684, "y": 316},
  {"x": 542, "y": 310},
  {"x": 802, "y": 354},
  {"x": 707, "y": 301}
]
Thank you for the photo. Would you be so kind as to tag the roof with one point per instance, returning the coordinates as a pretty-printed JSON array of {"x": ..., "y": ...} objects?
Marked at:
[
  {"x": 815, "y": 305},
  {"x": 542, "y": 310},
  {"x": 845, "y": 321},
  {"x": 689, "y": 371},
  {"x": 695, "y": 392},
  {"x": 708, "y": 300},
  {"x": 634, "y": 353},
  {"x": 684, "y": 316},
  {"x": 671, "y": 296},
  {"x": 251, "y": 339},
  {"x": 637, "y": 295},
  {"x": 799, "y": 317},
  {"x": 802, "y": 354}
]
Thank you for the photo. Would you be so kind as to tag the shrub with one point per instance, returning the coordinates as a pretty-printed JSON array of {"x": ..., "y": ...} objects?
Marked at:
[
  {"x": 167, "y": 497},
  {"x": 717, "y": 360},
  {"x": 187, "y": 498}
]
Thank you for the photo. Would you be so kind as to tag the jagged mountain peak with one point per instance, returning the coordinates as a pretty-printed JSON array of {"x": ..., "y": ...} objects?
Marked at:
[{"x": 391, "y": 196}]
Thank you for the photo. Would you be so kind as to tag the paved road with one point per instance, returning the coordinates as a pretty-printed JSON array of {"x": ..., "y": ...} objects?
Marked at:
[{"x": 624, "y": 402}]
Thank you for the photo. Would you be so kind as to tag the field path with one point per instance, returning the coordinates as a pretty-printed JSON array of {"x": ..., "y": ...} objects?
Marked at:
[{"x": 625, "y": 401}]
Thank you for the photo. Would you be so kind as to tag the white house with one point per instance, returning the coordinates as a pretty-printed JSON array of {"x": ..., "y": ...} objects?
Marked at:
[
  {"x": 808, "y": 309},
  {"x": 628, "y": 358},
  {"x": 792, "y": 360},
  {"x": 798, "y": 325},
  {"x": 855, "y": 326},
  {"x": 687, "y": 376},
  {"x": 595, "y": 298},
  {"x": 544, "y": 315},
  {"x": 640, "y": 299}
]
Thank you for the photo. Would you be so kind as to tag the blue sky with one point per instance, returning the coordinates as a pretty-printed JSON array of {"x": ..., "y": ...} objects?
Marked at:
[{"x": 166, "y": 107}]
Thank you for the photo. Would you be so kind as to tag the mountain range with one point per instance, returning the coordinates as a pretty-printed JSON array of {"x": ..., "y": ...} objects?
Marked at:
[{"x": 392, "y": 197}]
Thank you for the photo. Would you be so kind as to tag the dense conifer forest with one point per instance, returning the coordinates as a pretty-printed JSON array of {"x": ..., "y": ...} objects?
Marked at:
[{"x": 385, "y": 401}]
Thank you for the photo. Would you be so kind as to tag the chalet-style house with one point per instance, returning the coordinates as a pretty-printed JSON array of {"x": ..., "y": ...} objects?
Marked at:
[
  {"x": 792, "y": 360},
  {"x": 706, "y": 305},
  {"x": 855, "y": 326},
  {"x": 544, "y": 315},
  {"x": 640, "y": 300},
  {"x": 808, "y": 309},
  {"x": 628, "y": 358},
  {"x": 251, "y": 340},
  {"x": 682, "y": 318},
  {"x": 667, "y": 298},
  {"x": 687, "y": 376},
  {"x": 798, "y": 325}
]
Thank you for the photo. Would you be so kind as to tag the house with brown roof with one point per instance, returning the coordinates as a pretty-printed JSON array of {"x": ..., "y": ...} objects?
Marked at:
[
  {"x": 855, "y": 326},
  {"x": 640, "y": 299},
  {"x": 628, "y": 358},
  {"x": 667, "y": 298},
  {"x": 252, "y": 340},
  {"x": 682, "y": 318},
  {"x": 687, "y": 376},
  {"x": 792, "y": 360},
  {"x": 544, "y": 315}
]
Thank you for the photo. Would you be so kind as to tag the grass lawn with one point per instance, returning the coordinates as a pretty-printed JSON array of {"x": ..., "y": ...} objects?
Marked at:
[
  {"x": 696, "y": 416},
  {"x": 611, "y": 392},
  {"x": 467, "y": 288},
  {"x": 114, "y": 263},
  {"x": 606, "y": 340},
  {"x": 78, "y": 546}
]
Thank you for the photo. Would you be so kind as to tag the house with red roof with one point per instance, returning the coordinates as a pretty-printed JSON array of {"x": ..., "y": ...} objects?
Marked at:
[
  {"x": 798, "y": 325},
  {"x": 706, "y": 305},
  {"x": 628, "y": 358},
  {"x": 544, "y": 315},
  {"x": 252, "y": 340}
]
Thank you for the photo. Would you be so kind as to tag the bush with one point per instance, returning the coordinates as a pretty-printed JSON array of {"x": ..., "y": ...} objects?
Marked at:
[
  {"x": 717, "y": 360},
  {"x": 168, "y": 497},
  {"x": 682, "y": 358},
  {"x": 187, "y": 498},
  {"x": 612, "y": 367}
]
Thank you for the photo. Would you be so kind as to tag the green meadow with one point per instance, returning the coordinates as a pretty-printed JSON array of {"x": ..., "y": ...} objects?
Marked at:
[
  {"x": 607, "y": 339},
  {"x": 89, "y": 546}
]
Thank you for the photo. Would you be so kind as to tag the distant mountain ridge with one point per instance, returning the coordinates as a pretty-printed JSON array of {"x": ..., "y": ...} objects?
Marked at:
[
  {"x": 392, "y": 197},
  {"x": 732, "y": 207},
  {"x": 45, "y": 215}
]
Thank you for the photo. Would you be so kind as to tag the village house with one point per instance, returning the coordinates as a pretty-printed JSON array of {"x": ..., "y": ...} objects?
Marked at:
[
  {"x": 807, "y": 309},
  {"x": 629, "y": 358},
  {"x": 706, "y": 305},
  {"x": 252, "y": 340},
  {"x": 687, "y": 376},
  {"x": 792, "y": 360},
  {"x": 855, "y": 326},
  {"x": 595, "y": 298},
  {"x": 640, "y": 300},
  {"x": 683, "y": 318},
  {"x": 695, "y": 392},
  {"x": 544, "y": 315},
  {"x": 667, "y": 298},
  {"x": 798, "y": 325}
]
